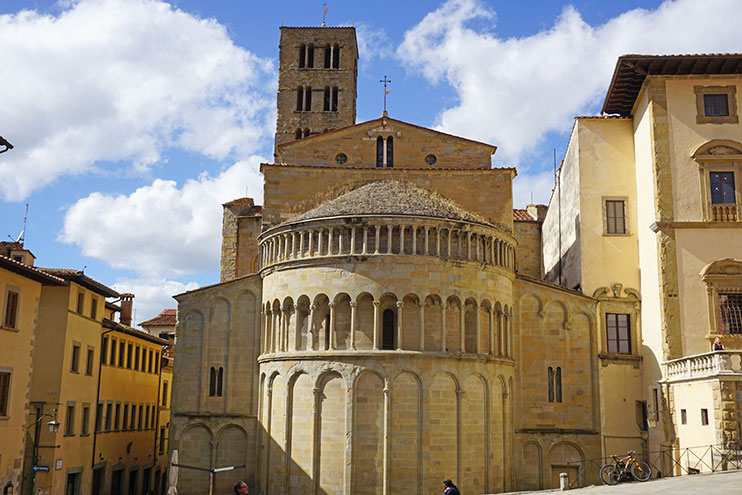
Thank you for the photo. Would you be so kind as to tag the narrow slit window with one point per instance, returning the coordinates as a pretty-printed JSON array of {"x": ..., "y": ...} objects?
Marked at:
[
  {"x": 297, "y": 134},
  {"x": 390, "y": 152},
  {"x": 308, "y": 99},
  {"x": 302, "y": 55},
  {"x": 212, "y": 382},
  {"x": 326, "y": 105},
  {"x": 336, "y": 57},
  {"x": 558, "y": 384},
  {"x": 219, "y": 382},
  {"x": 388, "y": 324},
  {"x": 328, "y": 55},
  {"x": 379, "y": 152},
  {"x": 550, "y": 379},
  {"x": 334, "y": 105},
  {"x": 299, "y": 99},
  {"x": 310, "y": 57}
]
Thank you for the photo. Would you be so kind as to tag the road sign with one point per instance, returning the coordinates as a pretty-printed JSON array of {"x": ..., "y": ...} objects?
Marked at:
[{"x": 43, "y": 469}]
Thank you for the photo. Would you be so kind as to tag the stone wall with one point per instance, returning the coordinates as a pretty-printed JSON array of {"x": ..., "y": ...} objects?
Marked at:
[
  {"x": 528, "y": 253},
  {"x": 290, "y": 190},
  {"x": 411, "y": 145},
  {"x": 291, "y": 77}
]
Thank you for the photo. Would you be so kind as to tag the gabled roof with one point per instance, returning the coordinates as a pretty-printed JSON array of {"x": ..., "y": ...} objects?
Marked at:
[
  {"x": 390, "y": 197},
  {"x": 631, "y": 70},
  {"x": 373, "y": 121}
]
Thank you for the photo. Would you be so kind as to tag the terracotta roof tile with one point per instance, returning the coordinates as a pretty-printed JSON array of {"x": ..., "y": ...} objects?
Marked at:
[
  {"x": 166, "y": 318},
  {"x": 522, "y": 215}
]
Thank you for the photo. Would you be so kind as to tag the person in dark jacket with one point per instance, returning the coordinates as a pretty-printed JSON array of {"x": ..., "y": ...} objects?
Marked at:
[
  {"x": 240, "y": 488},
  {"x": 450, "y": 488}
]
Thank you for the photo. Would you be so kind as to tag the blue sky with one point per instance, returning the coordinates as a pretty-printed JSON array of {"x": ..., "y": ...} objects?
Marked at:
[{"x": 134, "y": 120}]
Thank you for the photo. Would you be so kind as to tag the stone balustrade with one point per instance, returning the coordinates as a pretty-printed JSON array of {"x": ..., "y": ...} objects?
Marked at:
[
  {"x": 375, "y": 236},
  {"x": 704, "y": 365}
]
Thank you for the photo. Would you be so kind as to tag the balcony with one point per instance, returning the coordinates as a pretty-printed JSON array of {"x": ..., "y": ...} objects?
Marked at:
[
  {"x": 723, "y": 212},
  {"x": 710, "y": 364}
]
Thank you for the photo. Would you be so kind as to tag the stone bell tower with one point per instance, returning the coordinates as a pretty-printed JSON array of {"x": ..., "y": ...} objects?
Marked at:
[{"x": 317, "y": 77}]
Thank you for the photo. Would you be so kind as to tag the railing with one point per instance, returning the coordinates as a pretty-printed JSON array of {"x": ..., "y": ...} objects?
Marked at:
[
  {"x": 666, "y": 463},
  {"x": 323, "y": 238},
  {"x": 725, "y": 212},
  {"x": 703, "y": 366}
]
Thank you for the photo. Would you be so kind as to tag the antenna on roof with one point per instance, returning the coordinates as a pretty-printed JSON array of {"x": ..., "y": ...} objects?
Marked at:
[
  {"x": 22, "y": 235},
  {"x": 324, "y": 15}
]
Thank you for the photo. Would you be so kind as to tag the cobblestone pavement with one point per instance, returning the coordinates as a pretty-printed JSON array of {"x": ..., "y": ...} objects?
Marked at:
[{"x": 727, "y": 483}]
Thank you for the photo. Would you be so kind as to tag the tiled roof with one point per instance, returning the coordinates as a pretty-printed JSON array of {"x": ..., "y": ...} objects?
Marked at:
[
  {"x": 30, "y": 271},
  {"x": 522, "y": 215},
  {"x": 389, "y": 197},
  {"x": 165, "y": 319},
  {"x": 79, "y": 277}
]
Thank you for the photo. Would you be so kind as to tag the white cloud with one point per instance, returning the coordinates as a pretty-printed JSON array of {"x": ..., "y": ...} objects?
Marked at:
[
  {"x": 121, "y": 81},
  {"x": 161, "y": 228},
  {"x": 372, "y": 43},
  {"x": 152, "y": 295},
  {"x": 513, "y": 91},
  {"x": 532, "y": 188}
]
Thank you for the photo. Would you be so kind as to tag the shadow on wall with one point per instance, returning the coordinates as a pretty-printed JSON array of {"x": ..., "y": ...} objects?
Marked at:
[{"x": 569, "y": 263}]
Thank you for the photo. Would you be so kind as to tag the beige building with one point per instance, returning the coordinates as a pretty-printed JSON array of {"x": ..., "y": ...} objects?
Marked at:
[
  {"x": 386, "y": 319},
  {"x": 647, "y": 201}
]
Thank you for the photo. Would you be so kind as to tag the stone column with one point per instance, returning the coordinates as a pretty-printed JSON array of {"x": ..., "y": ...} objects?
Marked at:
[
  {"x": 330, "y": 235},
  {"x": 353, "y": 306},
  {"x": 301, "y": 244},
  {"x": 262, "y": 332},
  {"x": 414, "y": 240},
  {"x": 443, "y": 326},
  {"x": 401, "y": 239},
  {"x": 310, "y": 242},
  {"x": 340, "y": 240},
  {"x": 448, "y": 239},
  {"x": 292, "y": 253},
  {"x": 462, "y": 313},
  {"x": 316, "y": 424},
  {"x": 478, "y": 323},
  {"x": 438, "y": 231},
  {"x": 298, "y": 327},
  {"x": 365, "y": 240},
  {"x": 491, "y": 336},
  {"x": 353, "y": 240},
  {"x": 422, "y": 322},
  {"x": 387, "y": 435},
  {"x": 376, "y": 239},
  {"x": 389, "y": 230},
  {"x": 319, "y": 242},
  {"x": 468, "y": 245},
  {"x": 333, "y": 339},
  {"x": 376, "y": 324},
  {"x": 400, "y": 305},
  {"x": 427, "y": 244}
]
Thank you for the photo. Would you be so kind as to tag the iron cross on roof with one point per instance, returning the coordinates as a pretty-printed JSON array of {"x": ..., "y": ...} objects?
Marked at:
[{"x": 386, "y": 92}]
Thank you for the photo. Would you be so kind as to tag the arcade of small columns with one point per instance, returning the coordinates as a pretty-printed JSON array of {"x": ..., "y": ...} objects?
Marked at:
[
  {"x": 388, "y": 235},
  {"x": 344, "y": 323}
]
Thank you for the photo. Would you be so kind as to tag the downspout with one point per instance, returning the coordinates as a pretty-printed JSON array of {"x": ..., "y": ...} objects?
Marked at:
[{"x": 97, "y": 398}]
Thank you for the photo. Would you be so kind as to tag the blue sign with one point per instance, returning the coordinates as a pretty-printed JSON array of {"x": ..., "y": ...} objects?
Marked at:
[{"x": 43, "y": 469}]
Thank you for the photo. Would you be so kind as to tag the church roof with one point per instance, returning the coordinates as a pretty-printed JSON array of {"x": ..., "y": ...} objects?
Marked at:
[
  {"x": 631, "y": 70},
  {"x": 390, "y": 197}
]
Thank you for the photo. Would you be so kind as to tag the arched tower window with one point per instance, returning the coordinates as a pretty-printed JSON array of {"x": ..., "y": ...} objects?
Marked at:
[
  {"x": 379, "y": 152},
  {"x": 308, "y": 99},
  {"x": 306, "y": 132},
  {"x": 299, "y": 99},
  {"x": 334, "y": 105},
  {"x": 298, "y": 134},
  {"x": 336, "y": 57},
  {"x": 390, "y": 152},
  {"x": 326, "y": 106},
  {"x": 328, "y": 51},
  {"x": 310, "y": 56},
  {"x": 388, "y": 330},
  {"x": 302, "y": 55}
]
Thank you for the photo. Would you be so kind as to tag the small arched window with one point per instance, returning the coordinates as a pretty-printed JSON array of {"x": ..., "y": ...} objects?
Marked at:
[
  {"x": 302, "y": 55},
  {"x": 308, "y": 99},
  {"x": 390, "y": 152},
  {"x": 379, "y": 152},
  {"x": 212, "y": 382},
  {"x": 388, "y": 330},
  {"x": 219, "y": 381},
  {"x": 334, "y": 105},
  {"x": 297, "y": 134},
  {"x": 326, "y": 106},
  {"x": 307, "y": 132}
]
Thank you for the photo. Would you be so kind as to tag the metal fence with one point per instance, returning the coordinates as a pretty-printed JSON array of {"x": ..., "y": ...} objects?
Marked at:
[{"x": 664, "y": 463}]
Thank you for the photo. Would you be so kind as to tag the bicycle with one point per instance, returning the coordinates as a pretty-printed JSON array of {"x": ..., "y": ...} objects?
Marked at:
[{"x": 622, "y": 467}]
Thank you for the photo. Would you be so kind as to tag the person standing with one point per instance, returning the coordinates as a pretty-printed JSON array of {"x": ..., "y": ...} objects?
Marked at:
[
  {"x": 718, "y": 346},
  {"x": 450, "y": 489}
]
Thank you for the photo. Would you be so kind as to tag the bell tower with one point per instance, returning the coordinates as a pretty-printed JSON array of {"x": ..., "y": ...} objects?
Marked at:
[{"x": 317, "y": 78}]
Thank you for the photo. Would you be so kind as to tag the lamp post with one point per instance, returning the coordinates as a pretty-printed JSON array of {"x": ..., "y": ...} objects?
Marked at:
[{"x": 53, "y": 426}]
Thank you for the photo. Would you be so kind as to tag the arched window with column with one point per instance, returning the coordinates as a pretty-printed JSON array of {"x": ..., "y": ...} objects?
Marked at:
[
  {"x": 379, "y": 152},
  {"x": 390, "y": 152}
]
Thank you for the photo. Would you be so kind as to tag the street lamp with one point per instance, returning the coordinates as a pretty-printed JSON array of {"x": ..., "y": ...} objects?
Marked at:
[{"x": 53, "y": 426}]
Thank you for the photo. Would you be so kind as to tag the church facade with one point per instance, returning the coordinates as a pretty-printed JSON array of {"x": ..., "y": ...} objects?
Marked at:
[{"x": 386, "y": 320}]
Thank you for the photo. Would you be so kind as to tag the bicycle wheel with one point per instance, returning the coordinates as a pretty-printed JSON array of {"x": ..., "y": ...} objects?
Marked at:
[
  {"x": 609, "y": 474},
  {"x": 641, "y": 471}
]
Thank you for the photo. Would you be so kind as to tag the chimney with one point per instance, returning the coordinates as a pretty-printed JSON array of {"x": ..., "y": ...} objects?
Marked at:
[
  {"x": 127, "y": 301},
  {"x": 538, "y": 212}
]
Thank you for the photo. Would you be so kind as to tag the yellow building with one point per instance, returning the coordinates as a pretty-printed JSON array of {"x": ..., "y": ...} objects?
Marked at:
[
  {"x": 20, "y": 289},
  {"x": 648, "y": 201}
]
